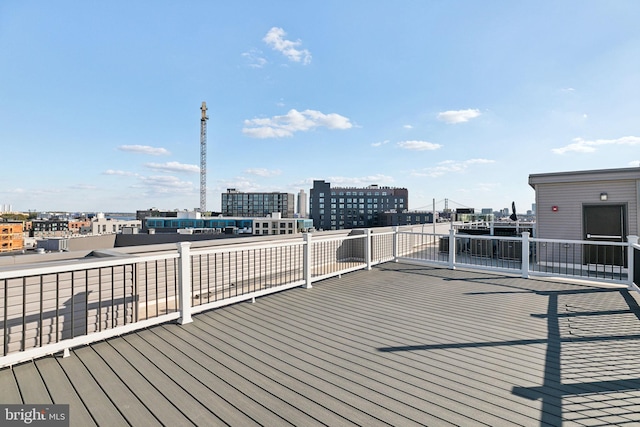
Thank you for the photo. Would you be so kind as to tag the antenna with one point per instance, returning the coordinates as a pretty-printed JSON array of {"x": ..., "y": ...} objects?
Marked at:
[{"x": 203, "y": 158}]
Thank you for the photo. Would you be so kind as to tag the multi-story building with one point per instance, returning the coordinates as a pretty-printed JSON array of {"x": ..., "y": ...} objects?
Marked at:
[
  {"x": 303, "y": 202},
  {"x": 275, "y": 224},
  {"x": 387, "y": 219},
  {"x": 345, "y": 207},
  {"x": 239, "y": 204},
  {"x": 195, "y": 223},
  {"x": 11, "y": 237},
  {"x": 80, "y": 226},
  {"x": 102, "y": 225},
  {"x": 50, "y": 227}
]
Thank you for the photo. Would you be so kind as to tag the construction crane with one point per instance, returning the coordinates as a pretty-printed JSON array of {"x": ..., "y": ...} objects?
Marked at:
[{"x": 203, "y": 158}]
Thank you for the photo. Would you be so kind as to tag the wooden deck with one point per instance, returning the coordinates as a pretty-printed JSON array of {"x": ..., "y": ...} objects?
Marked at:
[{"x": 399, "y": 345}]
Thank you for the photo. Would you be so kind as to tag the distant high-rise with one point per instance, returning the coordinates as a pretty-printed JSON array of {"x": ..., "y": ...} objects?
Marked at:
[
  {"x": 239, "y": 204},
  {"x": 347, "y": 207},
  {"x": 302, "y": 204}
]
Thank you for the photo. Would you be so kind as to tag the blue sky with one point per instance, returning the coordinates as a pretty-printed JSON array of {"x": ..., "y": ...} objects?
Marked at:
[{"x": 100, "y": 101}]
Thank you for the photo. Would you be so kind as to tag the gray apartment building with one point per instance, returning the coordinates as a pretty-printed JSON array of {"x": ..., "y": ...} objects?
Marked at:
[
  {"x": 239, "y": 204},
  {"x": 347, "y": 207}
]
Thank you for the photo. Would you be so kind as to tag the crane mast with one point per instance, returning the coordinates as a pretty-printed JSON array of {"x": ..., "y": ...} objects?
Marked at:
[{"x": 203, "y": 158}]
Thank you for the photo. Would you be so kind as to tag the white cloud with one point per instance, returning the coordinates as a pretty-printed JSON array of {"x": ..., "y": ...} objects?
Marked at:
[
  {"x": 263, "y": 172},
  {"x": 164, "y": 184},
  {"x": 458, "y": 116},
  {"x": 144, "y": 149},
  {"x": 275, "y": 39},
  {"x": 293, "y": 121},
  {"x": 341, "y": 181},
  {"x": 407, "y": 127},
  {"x": 378, "y": 144},
  {"x": 580, "y": 145},
  {"x": 83, "y": 187},
  {"x": 450, "y": 166},
  {"x": 118, "y": 173},
  {"x": 255, "y": 58},
  {"x": 173, "y": 167},
  {"x": 418, "y": 145},
  {"x": 634, "y": 163}
]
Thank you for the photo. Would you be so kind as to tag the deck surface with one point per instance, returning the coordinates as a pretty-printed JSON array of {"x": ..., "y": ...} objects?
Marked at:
[{"x": 400, "y": 345}]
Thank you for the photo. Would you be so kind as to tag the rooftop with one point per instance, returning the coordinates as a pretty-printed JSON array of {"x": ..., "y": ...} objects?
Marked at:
[{"x": 401, "y": 344}]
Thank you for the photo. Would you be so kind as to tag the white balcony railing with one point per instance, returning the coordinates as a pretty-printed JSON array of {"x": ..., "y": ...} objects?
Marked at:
[{"x": 50, "y": 308}]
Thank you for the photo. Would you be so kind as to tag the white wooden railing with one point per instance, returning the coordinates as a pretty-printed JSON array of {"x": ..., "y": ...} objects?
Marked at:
[{"x": 48, "y": 309}]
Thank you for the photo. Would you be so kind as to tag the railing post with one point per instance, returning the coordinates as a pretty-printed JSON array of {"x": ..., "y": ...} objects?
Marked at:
[
  {"x": 396, "y": 231},
  {"x": 452, "y": 249},
  {"x": 306, "y": 254},
  {"x": 184, "y": 282},
  {"x": 367, "y": 248},
  {"x": 631, "y": 251},
  {"x": 525, "y": 254}
]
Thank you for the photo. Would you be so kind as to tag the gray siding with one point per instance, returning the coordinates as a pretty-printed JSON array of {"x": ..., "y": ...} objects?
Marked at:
[{"x": 570, "y": 197}]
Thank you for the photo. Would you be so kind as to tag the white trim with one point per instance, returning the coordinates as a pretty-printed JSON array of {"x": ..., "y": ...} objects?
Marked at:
[{"x": 80, "y": 264}]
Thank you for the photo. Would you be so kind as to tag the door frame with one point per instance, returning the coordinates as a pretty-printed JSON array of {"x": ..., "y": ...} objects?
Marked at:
[{"x": 625, "y": 227}]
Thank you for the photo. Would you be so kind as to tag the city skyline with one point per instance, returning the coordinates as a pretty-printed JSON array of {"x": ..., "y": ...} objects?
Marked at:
[{"x": 100, "y": 104}]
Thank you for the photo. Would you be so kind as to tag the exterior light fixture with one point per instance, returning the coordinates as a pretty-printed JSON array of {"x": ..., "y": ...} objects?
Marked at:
[
  {"x": 604, "y": 197},
  {"x": 554, "y": 209}
]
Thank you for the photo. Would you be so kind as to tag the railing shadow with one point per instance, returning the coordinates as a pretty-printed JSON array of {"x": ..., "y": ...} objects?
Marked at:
[
  {"x": 591, "y": 335},
  {"x": 65, "y": 322}
]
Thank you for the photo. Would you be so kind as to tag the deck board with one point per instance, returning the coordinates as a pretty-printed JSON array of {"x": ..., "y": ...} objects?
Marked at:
[
  {"x": 9, "y": 391},
  {"x": 316, "y": 403},
  {"x": 97, "y": 403},
  {"x": 214, "y": 376},
  {"x": 260, "y": 387},
  {"x": 129, "y": 372},
  {"x": 62, "y": 390},
  {"x": 199, "y": 387},
  {"x": 32, "y": 388},
  {"x": 190, "y": 409},
  {"x": 127, "y": 403},
  {"x": 399, "y": 345}
]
